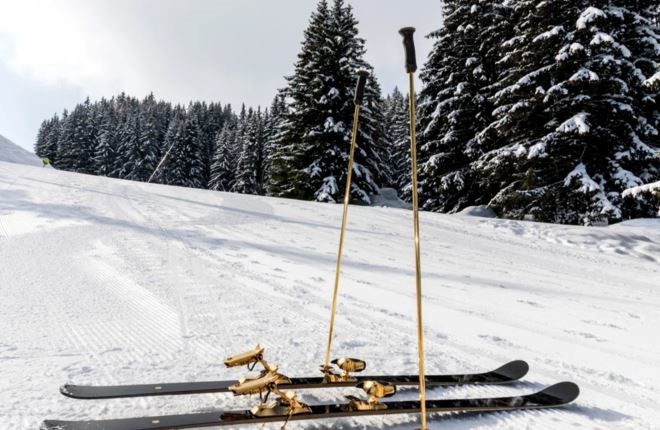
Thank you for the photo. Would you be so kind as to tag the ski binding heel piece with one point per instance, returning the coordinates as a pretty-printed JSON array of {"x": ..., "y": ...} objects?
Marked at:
[
  {"x": 346, "y": 365},
  {"x": 376, "y": 391},
  {"x": 285, "y": 405},
  {"x": 257, "y": 385}
]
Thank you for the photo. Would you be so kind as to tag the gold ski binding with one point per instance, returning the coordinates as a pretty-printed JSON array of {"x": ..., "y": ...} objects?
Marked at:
[
  {"x": 265, "y": 381},
  {"x": 346, "y": 365},
  {"x": 376, "y": 391}
]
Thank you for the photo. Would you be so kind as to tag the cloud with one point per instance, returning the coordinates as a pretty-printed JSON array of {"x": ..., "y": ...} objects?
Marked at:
[{"x": 182, "y": 50}]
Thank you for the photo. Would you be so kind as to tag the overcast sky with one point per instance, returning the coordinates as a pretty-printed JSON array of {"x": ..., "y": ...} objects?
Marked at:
[{"x": 54, "y": 53}]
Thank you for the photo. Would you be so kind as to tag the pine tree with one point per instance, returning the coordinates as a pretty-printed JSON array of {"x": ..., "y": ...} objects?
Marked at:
[
  {"x": 223, "y": 167},
  {"x": 568, "y": 135},
  {"x": 105, "y": 151},
  {"x": 311, "y": 163},
  {"x": 454, "y": 105},
  {"x": 47, "y": 137},
  {"x": 248, "y": 168},
  {"x": 185, "y": 164},
  {"x": 77, "y": 140},
  {"x": 273, "y": 137},
  {"x": 398, "y": 132}
]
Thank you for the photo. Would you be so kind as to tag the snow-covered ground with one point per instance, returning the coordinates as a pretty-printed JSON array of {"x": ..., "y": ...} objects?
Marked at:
[
  {"x": 12, "y": 153},
  {"x": 106, "y": 281}
]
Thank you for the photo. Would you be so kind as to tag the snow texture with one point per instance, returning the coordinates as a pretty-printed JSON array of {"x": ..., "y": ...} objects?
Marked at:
[
  {"x": 106, "y": 281},
  {"x": 589, "y": 16},
  {"x": 646, "y": 188},
  {"x": 478, "y": 211},
  {"x": 576, "y": 123},
  {"x": 12, "y": 153}
]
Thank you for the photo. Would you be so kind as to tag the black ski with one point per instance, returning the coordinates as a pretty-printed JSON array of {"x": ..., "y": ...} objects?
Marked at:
[
  {"x": 510, "y": 372},
  {"x": 553, "y": 396}
]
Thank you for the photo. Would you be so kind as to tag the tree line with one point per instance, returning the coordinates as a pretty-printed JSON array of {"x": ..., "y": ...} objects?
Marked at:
[{"x": 539, "y": 110}]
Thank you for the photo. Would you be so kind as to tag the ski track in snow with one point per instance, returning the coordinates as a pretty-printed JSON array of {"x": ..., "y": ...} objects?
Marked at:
[{"x": 107, "y": 282}]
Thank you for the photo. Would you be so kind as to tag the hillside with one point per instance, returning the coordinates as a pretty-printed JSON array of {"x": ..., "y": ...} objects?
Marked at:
[
  {"x": 12, "y": 153},
  {"x": 106, "y": 281}
]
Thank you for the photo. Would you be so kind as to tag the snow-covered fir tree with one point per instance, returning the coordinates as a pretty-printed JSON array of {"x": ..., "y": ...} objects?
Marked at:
[
  {"x": 184, "y": 165},
  {"x": 223, "y": 166},
  {"x": 105, "y": 151},
  {"x": 47, "y": 137},
  {"x": 76, "y": 143},
  {"x": 250, "y": 161},
  {"x": 311, "y": 163},
  {"x": 454, "y": 105},
  {"x": 569, "y": 136},
  {"x": 398, "y": 134},
  {"x": 273, "y": 136}
]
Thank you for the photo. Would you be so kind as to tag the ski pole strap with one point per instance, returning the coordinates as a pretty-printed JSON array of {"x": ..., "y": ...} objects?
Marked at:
[
  {"x": 409, "y": 45},
  {"x": 361, "y": 85}
]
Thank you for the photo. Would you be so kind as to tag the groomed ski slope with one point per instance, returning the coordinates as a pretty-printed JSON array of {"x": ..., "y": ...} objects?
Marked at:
[{"x": 104, "y": 281}]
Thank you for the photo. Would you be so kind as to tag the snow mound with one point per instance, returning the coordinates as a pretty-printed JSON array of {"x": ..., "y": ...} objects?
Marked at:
[
  {"x": 478, "y": 211},
  {"x": 12, "y": 153},
  {"x": 388, "y": 198}
]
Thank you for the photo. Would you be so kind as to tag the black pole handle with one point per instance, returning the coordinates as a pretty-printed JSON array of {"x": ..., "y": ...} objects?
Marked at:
[
  {"x": 409, "y": 45},
  {"x": 361, "y": 84}
]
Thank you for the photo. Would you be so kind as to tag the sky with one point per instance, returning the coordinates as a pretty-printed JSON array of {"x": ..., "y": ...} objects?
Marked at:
[{"x": 54, "y": 53}]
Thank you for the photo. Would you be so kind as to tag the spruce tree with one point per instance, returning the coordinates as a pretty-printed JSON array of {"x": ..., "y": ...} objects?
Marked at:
[
  {"x": 223, "y": 167},
  {"x": 398, "y": 132},
  {"x": 248, "y": 168},
  {"x": 568, "y": 138},
  {"x": 311, "y": 163},
  {"x": 185, "y": 164},
  {"x": 454, "y": 105},
  {"x": 47, "y": 137},
  {"x": 76, "y": 142},
  {"x": 105, "y": 151}
]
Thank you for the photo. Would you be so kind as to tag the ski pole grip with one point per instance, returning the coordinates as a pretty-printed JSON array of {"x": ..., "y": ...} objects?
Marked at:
[
  {"x": 361, "y": 85},
  {"x": 409, "y": 46}
]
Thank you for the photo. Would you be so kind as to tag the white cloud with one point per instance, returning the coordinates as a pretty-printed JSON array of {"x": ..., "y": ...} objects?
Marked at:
[{"x": 182, "y": 50}]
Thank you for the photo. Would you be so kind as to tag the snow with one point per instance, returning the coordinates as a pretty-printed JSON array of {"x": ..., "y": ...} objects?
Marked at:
[
  {"x": 568, "y": 50},
  {"x": 478, "y": 211},
  {"x": 653, "y": 81},
  {"x": 388, "y": 198},
  {"x": 12, "y": 153},
  {"x": 604, "y": 38},
  {"x": 646, "y": 188},
  {"x": 122, "y": 282},
  {"x": 580, "y": 172},
  {"x": 554, "y": 31},
  {"x": 583, "y": 75},
  {"x": 577, "y": 123},
  {"x": 589, "y": 16}
]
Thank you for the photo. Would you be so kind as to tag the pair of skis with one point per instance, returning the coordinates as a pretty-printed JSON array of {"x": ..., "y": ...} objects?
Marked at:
[{"x": 288, "y": 408}]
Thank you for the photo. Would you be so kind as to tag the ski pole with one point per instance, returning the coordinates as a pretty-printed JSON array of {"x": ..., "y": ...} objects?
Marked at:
[
  {"x": 411, "y": 68},
  {"x": 359, "y": 95},
  {"x": 162, "y": 160}
]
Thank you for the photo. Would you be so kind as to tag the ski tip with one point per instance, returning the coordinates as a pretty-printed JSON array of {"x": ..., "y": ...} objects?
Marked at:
[
  {"x": 514, "y": 370},
  {"x": 565, "y": 392},
  {"x": 68, "y": 390}
]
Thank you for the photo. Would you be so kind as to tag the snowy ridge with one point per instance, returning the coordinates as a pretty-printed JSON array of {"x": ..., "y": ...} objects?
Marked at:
[
  {"x": 112, "y": 281},
  {"x": 12, "y": 153}
]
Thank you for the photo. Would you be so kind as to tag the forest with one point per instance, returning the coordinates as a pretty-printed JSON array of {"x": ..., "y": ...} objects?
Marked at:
[{"x": 545, "y": 111}]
